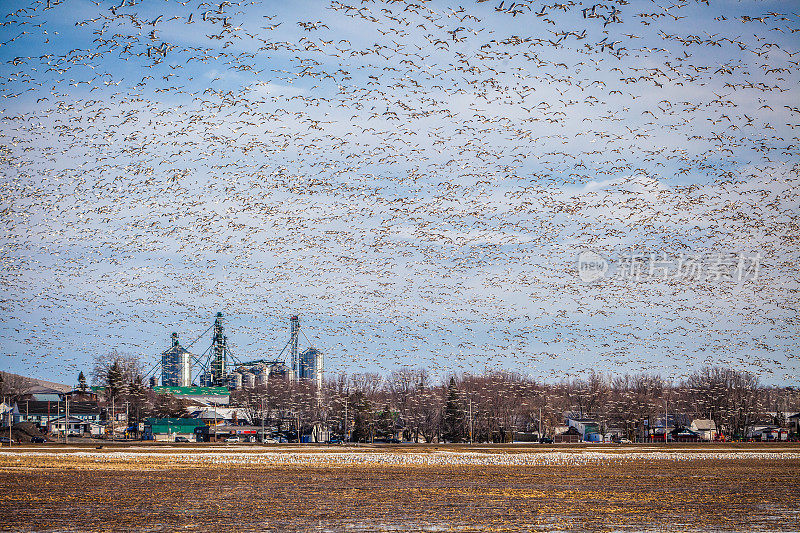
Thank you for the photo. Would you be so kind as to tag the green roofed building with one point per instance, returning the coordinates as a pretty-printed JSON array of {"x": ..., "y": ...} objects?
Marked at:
[
  {"x": 166, "y": 429},
  {"x": 204, "y": 395}
]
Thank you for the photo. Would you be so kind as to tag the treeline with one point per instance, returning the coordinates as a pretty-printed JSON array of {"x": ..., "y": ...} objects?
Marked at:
[{"x": 495, "y": 405}]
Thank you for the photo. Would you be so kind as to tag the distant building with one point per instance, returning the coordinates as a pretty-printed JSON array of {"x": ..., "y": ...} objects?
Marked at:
[
  {"x": 166, "y": 429},
  {"x": 311, "y": 365},
  {"x": 221, "y": 415},
  {"x": 43, "y": 394},
  {"x": 221, "y": 432},
  {"x": 588, "y": 428},
  {"x": 794, "y": 424},
  {"x": 279, "y": 371},
  {"x": 706, "y": 428},
  {"x": 768, "y": 433},
  {"x": 42, "y": 413},
  {"x": 682, "y": 434},
  {"x": 570, "y": 435},
  {"x": 176, "y": 365},
  {"x": 71, "y": 427}
]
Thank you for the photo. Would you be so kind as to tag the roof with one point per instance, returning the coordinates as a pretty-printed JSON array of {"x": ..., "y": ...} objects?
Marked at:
[
  {"x": 44, "y": 397},
  {"x": 39, "y": 389},
  {"x": 33, "y": 407},
  {"x": 72, "y": 420},
  {"x": 230, "y": 429},
  {"x": 176, "y": 350},
  {"x": 704, "y": 424},
  {"x": 174, "y": 421},
  {"x": 684, "y": 431},
  {"x": 193, "y": 391},
  {"x": 173, "y": 425}
]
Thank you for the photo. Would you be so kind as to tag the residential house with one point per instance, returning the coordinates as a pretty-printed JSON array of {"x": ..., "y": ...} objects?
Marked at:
[
  {"x": 42, "y": 413},
  {"x": 74, "y": 427},
  {"x": 39, "y": 393},
  {"x": 683, "y": 434},
  {"x": 706, "y": 428}
]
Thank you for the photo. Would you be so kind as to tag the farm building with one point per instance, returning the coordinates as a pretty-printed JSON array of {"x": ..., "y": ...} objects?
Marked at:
[{"x": 166, "y": 429}]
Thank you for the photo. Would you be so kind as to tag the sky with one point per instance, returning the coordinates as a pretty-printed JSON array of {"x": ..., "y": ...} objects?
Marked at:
[{"x": 546, "y": 188}]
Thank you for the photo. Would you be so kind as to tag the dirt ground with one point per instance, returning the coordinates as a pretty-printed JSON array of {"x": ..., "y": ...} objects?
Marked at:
[{"x": 57, "y": 489}]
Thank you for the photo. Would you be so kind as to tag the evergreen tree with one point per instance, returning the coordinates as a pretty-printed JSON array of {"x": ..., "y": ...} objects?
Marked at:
[
  {"x": 385, "y": 424},
  {"x": 114, "y": 380},
  {"x": 362, "y": 418},
  {"x": 454, "y": 424},
  {"x": 81, "y": 382},
  {"x": 137, "y": 396}
]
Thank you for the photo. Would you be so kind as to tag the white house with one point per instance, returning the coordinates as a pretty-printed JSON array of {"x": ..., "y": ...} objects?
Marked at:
[
  {"x": 707, "y": 429},
  {"x": 73, "y": 426}
]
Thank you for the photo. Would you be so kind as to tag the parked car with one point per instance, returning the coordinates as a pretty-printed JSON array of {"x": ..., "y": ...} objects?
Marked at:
[
  {"x": 546, "y": 440},
  {"x": 6, "y": 440},
  {"x": 235, "y": 438},
  {"x": 335, "y": 440},
  {"x": 181, "y": 439},
  {"x": 38, "y": 440},
  {"x": 624, "y": 441},
  {"x": 270, "y": 440}
]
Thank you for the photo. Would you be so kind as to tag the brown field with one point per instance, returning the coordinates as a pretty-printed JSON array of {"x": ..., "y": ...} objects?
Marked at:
[{"x": 413, "y": 488}]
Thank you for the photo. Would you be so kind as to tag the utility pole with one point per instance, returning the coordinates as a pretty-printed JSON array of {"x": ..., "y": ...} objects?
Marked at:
[
  {"x": 470, "y": 419},
  {"x": 346, "y": 427},
  {"x": 263, "y": 436},
  {"x": 540, "y": 424},
  {"x": 112, "y": 417},
  {"x": 66, "y": 418}
]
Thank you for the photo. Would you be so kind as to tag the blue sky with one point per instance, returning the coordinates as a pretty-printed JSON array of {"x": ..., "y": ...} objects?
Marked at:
[{"x": 415, "y": 180}]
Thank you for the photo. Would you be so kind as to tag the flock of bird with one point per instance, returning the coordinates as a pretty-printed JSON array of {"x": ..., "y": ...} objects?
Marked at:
[
  {"x": 359, "y": 457},
  {"x": 415, "y": 179}
]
